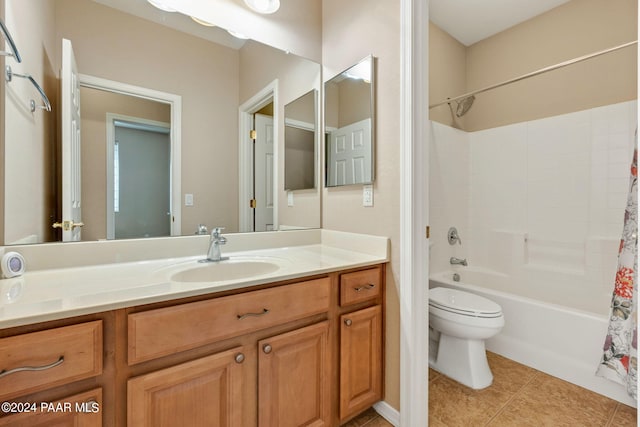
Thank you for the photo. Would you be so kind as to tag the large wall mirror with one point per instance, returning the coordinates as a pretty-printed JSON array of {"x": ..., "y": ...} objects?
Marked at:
[
  {"x": 300, "y": 142},
  {"x": 349, "y": 125},
  {"x": 165, "y": 118}
]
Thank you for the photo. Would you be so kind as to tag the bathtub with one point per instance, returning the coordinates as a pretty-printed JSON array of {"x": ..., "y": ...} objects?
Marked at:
[{"x": 558, "y": 340}]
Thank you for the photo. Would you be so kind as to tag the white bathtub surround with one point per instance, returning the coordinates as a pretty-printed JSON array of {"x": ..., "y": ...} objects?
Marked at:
[
  {"x": 448, "y": 193},
  {"x": 119, "y": 274},
  {"x": 539, "y": 206}
]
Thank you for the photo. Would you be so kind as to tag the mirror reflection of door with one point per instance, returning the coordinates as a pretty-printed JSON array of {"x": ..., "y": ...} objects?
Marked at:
[
  {"x": 71, "y": 147},
  {"x": 349, "y": 154},
  {"x": 141, "y": 159},
  {"x": 263, "y": 170}
]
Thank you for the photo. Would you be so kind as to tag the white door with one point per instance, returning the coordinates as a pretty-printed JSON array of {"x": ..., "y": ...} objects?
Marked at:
[
  {"x": 263, "y": 173},
  {"x": 70, "y": 118},
  {"x": 349, "y": 154}
]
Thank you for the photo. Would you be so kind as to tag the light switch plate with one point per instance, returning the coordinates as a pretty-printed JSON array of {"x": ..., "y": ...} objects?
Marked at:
[
  {"x": 367, "y": 195},
  {"x": 290, "y": 198},
  {"x": 188, "y": 199}
]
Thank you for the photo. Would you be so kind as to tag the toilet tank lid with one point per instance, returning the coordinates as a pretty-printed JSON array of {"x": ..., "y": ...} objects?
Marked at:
[{"x": 462, "y": 301}]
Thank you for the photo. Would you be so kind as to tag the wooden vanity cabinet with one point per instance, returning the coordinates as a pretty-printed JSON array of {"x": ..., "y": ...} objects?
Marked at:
[
  {"x": 299, "y": 352},
  {"x": 80, "y": 410},
  {"x": 294, "y": 378},
  {"x": 360, "y": 360},
  {"x": 203, "y": 392},
  {"x": 53, "y": 373},
  {"x": 361, "y": 340}
]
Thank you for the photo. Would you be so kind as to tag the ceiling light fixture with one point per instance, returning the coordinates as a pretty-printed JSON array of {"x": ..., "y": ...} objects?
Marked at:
[
  {"x": 201, "y": 22},
  {"x": 161, "y": 4},
  {"x": 263, "y": 6}
]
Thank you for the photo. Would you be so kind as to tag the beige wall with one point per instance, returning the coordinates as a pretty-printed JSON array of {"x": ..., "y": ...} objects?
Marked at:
[
  {"x": 447, "y": 74},
  {"x": 94, "y": 108},
  {"x": 351, "y": 31},
  {"x": 574, "y": 29},
  {"x": 30, "y": 142},
  {"x": 259, "y": 66}
]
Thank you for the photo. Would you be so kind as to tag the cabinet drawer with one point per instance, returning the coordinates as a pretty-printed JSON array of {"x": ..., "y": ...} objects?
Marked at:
[
  {"x": 165, "y": 331},
  {"x": 40, "y": 360},
  {"x": 360, "y": 285},
  {"x": 82, "y": 410}
]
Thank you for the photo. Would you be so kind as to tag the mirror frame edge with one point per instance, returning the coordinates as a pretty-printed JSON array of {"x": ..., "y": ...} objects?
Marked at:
[{"x": 2, "y": 138}]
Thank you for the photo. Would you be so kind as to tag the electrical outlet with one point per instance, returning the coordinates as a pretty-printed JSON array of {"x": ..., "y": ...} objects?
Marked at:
[
  {"x": 367, "y": 195},
  {"x": 188, "y": 199},
  {"x": 290, "y": 198}
]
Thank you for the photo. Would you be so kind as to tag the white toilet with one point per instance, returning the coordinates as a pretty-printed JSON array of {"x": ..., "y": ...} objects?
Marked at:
[{"x": 459, "y": 322}]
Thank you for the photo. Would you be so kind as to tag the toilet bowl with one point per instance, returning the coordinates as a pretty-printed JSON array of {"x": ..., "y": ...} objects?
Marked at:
[{"x": 459, "y": 323}]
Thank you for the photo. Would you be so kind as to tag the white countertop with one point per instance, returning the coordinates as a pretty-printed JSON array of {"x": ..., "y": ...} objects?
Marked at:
[{"x": 50, "y": 294}]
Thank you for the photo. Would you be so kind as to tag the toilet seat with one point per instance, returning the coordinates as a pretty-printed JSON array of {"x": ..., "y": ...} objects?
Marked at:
[{"x": 463, "y": 303}]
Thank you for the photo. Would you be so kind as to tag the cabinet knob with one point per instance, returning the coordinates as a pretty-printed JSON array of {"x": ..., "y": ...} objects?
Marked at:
[
  {"x": 88, "y": 407},
  {"x": 348, "y": 322},
  {"x": 239, "y": 358},
  {"x": 266, "y": 348}
]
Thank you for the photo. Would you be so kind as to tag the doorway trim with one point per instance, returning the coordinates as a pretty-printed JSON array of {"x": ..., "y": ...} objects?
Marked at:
[
  {"x": 414, "y": 212},
  {"x": 175, "y": 104},
  {"x": 144, "y": 124},
  {"x": 245, "y": 155}
]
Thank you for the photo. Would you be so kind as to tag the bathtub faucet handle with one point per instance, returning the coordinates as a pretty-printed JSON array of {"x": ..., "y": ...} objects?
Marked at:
[{"x": 453, "y": 236}]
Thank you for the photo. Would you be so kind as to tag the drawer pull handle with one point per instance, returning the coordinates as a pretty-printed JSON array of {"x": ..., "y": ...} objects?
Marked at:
[
  {"x": 365, "y": 288},
  {"x": 4, "y": 372},
  {"x": 239, "y": 358},
  {"x": 262, "y": 313},
  {"x": 266, "y": 348},
  {"x": 348, "y": 322}
]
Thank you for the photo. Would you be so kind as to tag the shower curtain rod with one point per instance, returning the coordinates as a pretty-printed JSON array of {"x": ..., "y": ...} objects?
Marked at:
[{"x": 535, "y": 73}]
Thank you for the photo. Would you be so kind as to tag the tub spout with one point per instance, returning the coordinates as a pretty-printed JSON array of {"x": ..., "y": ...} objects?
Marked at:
[{"x": 458, "y": 261}]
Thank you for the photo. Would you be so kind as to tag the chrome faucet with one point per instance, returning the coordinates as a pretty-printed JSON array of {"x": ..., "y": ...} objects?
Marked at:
[
  {"x": 453, "y": 236},
  {"x": 457, "y": 261},
  {"x": 214, "y": 254}
]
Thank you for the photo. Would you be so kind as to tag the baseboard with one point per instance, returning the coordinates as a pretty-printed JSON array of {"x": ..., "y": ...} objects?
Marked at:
[{"x": 388, "y": 412}]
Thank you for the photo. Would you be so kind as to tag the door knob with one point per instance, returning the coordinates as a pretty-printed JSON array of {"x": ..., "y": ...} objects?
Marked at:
[
  {"x": 67, "y": 225},
  {"x": 239, "y": 358},
  {"x": 348, "y": 322},
  {"x": 266, "y": 348}
]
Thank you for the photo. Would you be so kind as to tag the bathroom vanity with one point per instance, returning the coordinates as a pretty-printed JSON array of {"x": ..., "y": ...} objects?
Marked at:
[{"x": 278, "y": 349}]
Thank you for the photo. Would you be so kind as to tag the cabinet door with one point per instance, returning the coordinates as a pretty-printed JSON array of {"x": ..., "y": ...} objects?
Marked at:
[
  {"x": 293, "y": 378},
  {"x": 205, "y": 392},
  {"x": 360, "y": 360},
  {"x": 80, "y": 410}
]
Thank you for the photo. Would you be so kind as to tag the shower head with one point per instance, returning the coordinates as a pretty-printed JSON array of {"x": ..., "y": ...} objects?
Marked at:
[{"x": 464, "y": 105}]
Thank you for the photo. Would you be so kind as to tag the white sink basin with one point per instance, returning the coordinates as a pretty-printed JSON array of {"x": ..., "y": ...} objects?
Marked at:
[{"x": 224, "y": 270}]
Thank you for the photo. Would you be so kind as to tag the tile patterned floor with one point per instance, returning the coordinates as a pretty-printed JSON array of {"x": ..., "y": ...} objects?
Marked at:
[
  {"x": 519, "y": 397},
  {"x": 522, "y": 397},
  {"x": 369, "y": 418}
]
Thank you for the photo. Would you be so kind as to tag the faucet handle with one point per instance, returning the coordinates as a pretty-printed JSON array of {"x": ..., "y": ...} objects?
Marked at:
[
  {"x": 217, "y": 231},
  {"x": 453, "y": 236}
]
